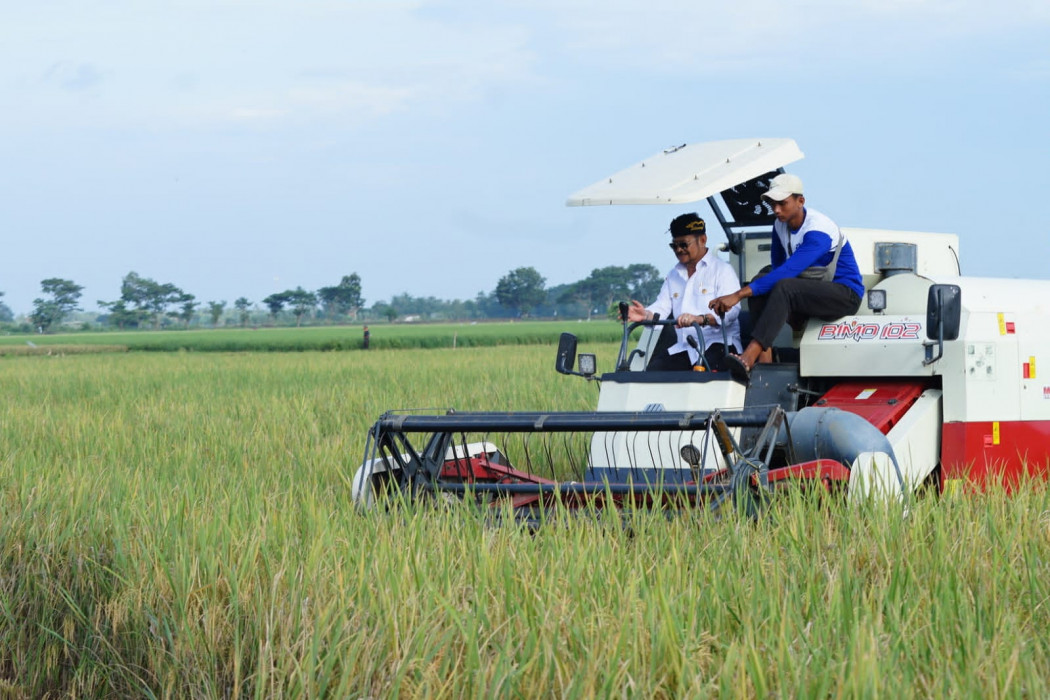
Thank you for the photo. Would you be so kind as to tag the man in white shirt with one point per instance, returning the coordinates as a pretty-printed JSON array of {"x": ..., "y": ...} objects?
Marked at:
[{"x": 698, "y": 278}]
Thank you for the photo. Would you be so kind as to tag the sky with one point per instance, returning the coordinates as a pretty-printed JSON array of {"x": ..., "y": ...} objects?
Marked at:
[{"x": 239, "y": 148}]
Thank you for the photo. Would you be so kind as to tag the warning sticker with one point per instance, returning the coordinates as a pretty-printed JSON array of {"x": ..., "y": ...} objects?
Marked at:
[
  {"x": 866, "y": 394},
  {"x": 1006, "y": 324}
]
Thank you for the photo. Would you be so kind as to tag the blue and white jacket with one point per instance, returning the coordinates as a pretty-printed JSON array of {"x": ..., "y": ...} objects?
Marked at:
[{"x": 812, "y": 244}]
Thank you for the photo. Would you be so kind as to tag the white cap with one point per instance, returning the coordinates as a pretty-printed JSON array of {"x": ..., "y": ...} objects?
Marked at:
[{"x": 783, "y": 186}]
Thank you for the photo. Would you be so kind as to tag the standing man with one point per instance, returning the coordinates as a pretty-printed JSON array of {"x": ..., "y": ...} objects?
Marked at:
[
  {"x": 814, "y": 274},
  {"x": 690, "y": 286}
]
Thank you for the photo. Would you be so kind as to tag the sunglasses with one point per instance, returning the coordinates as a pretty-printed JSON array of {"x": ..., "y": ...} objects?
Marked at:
[{"x": 679, "y": 245}]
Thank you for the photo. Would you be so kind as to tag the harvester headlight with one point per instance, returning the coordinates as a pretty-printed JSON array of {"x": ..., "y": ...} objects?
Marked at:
[
  {"x": 588, "y": 364},
  {"x": 877, "y": 300}
]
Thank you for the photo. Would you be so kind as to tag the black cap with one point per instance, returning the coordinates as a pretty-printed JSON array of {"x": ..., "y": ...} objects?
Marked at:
[{"x": 688, "y": 225}]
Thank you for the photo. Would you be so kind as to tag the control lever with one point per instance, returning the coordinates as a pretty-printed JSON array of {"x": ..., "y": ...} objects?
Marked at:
[
  {"x": 624, "y": 360},
  {"x": 704, "y": 365}
]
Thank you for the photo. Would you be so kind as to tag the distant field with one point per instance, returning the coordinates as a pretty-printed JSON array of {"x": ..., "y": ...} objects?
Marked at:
[{"x": 383, "y": 336}]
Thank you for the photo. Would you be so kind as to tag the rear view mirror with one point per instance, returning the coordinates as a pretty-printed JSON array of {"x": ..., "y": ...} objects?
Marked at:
[
  {"x": 566, "y": 354},
  {"x": 943, "y": 312},
  {"x": 943, "y": 316}
]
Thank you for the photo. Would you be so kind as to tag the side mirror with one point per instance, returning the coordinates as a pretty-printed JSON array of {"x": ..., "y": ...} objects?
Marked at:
[
  {"x": 567, "y": 358},
  {"x": 566, "y": 354},
  {"x": 943, "y": 312},
  {"x": 943, "y": 317}
]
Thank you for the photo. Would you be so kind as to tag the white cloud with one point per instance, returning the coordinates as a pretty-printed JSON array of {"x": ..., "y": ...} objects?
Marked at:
[
  {"x": 272, "y": 62},
  {"x": 70, "y": 76},
  {"x": 672, "y": 36},
  {"x": 258, "y": 62},
  {"x": 346, "y": 101}
]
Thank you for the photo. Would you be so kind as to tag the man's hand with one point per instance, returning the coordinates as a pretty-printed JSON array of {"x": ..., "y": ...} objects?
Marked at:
[
  {"x": 686, "y": 320},
  {"x": 636, "y": 312},
  {"x": 721, "y": 305}
]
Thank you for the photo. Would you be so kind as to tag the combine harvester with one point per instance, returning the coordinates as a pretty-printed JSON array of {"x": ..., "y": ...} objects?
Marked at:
[{"x": 933, "y": 384}]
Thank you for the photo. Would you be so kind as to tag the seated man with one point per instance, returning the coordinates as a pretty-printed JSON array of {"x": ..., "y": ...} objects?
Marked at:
[
  {"x": 698, "y": 278},
  {"x": 814, "y": 274}
]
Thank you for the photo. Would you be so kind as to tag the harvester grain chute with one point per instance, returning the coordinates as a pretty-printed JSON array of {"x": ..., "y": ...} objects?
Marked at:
[{"x": 932, "y": 383}]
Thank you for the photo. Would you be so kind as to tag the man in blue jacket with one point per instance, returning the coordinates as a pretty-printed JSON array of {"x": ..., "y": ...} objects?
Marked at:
[{"x": 814, "y": 274}]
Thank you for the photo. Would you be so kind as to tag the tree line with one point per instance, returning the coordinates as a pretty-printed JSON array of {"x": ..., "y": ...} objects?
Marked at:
[{"x": 522, "y": 292}]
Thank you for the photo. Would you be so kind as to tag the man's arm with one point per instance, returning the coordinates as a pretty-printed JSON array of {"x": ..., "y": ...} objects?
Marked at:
[{"x": 815, "y": 245}]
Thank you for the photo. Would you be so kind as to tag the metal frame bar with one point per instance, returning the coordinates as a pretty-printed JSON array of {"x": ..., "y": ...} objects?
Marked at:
[
  {"x": 421, "y": 468},
  {"x": 554, "y": 422}
]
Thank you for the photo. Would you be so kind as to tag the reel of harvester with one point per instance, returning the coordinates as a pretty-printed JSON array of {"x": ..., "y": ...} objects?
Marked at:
[{"x": 540, "y": 462}]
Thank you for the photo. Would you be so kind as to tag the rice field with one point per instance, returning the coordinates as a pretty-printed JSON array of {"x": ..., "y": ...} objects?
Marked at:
[
  {"x": 180, "y": 525},
  {"x": 384, "y": 336}
]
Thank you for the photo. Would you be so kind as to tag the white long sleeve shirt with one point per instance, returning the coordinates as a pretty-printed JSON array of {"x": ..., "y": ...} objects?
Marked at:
[{"x": 681, "y": 293}]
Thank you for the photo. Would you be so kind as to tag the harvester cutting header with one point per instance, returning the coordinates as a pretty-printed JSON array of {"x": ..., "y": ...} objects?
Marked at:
[{"x": 933, "y": 380}]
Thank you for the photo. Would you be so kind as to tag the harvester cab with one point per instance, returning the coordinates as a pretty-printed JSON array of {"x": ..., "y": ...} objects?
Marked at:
[{"x": 932, "y": 382}]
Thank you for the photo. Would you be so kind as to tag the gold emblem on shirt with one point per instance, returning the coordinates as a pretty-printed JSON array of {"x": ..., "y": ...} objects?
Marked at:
[{"x": 676, "y": 295}]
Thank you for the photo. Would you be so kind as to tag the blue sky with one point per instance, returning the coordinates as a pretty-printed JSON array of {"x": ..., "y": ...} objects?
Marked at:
[{"x": 239, "y": 148}]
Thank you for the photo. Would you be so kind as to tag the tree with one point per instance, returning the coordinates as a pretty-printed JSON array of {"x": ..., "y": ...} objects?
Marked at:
[
  {"x": 146, "y": 296},
  {"x": 215, "y": 309},
  {"x": 275, "y": 303},
  {"x": 344, "y": 298},
  {"x": 428, "y": 307},
  {"x": 187, "y": 307},
  {"x": 301, "y": 302},
  {"x": 574, "y": 296},
  {"x": 606, "y": 285},
  {"x": 645, "y": 281},
  {"x": 142, "y": 299},
  {"x": 6, "y": 315},
  {"x": 63, "y": 299},
  {"x": 165, "y": 295},
  {"x": 119, "y": 314},
  {"x": 521, "y": 289},
  {"x": 242, "y": 305},
  {"x": 603, "y": 286},
  {"x": 387, "y": 311},
  {"x": 488, "y": 305}
]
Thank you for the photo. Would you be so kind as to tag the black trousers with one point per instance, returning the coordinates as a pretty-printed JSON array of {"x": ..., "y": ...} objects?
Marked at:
[
  {"x": 715, "y": 354},
  {"x": 794, "y": 300}
]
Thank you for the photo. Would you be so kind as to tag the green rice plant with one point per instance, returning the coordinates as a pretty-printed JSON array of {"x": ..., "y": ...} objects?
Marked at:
[
  {"x": 331, "y": 338},
  {"x": 60, "y": 349},
  {"x": 180, "y": 525}
]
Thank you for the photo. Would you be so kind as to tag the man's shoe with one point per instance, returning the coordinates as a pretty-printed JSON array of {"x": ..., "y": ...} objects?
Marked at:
[{"x": 738, "y": 370}]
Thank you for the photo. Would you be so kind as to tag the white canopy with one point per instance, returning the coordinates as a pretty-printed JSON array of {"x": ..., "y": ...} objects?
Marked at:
[{"x": 690, "y": 172}]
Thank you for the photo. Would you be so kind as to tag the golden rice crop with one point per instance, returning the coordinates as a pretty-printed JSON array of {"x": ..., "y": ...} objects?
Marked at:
[{"x": 179, "y": 525}]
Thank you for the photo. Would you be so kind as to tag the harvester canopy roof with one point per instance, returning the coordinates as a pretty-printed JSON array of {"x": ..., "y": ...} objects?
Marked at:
[{"x": 690, "y": 172}]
